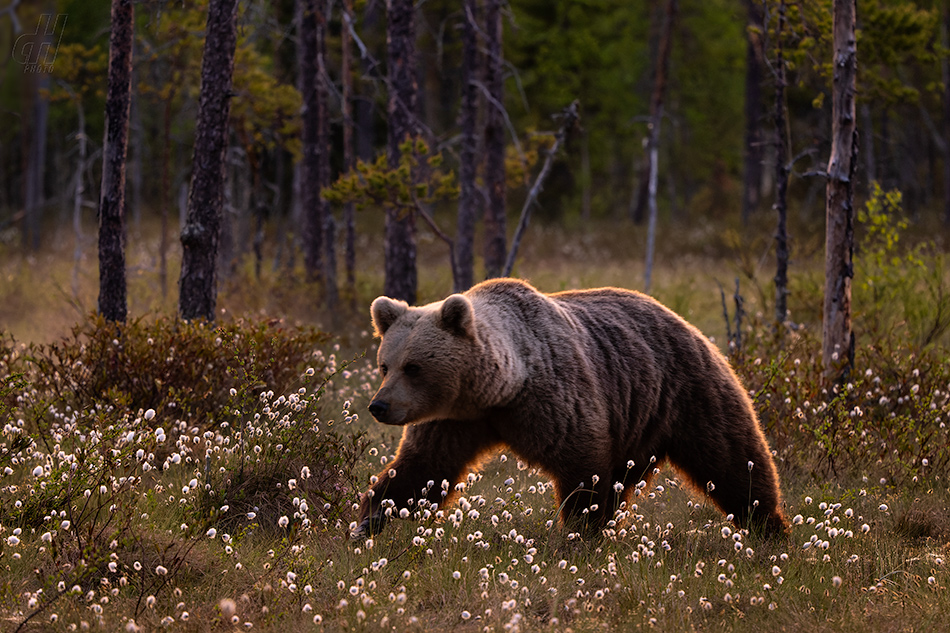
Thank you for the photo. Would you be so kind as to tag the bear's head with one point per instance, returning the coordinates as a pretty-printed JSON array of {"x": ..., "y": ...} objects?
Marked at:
[{"x": 425, "y": 358}]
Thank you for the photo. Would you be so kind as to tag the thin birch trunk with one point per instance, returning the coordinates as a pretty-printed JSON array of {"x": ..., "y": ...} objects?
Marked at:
[
  {"x": 837, "y": 335},
  {"x": 653, "y": 144}
]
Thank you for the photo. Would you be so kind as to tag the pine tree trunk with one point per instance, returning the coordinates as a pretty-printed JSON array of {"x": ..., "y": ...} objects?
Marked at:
[
  {"x": 349, "y": 209},
  {"x": 781, "y": 180},
  {"x": 112, "y": 287},
  {"x": 945, "y": 75},
  {"x": 400, "y": 256},
  {"x": 199, "y": 235},
  {"x": 324, "y": 215},
  {"x": 752, "y": 170},
  {"x": 837, "y": 336},
  {"x": 495, "y": 216},
  {"x": 313, "y": 154},
  {"x": 468, "y": 159}
]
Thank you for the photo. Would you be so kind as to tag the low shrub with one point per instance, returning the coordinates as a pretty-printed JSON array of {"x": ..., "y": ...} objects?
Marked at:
[{"x": 181, "y": 369}]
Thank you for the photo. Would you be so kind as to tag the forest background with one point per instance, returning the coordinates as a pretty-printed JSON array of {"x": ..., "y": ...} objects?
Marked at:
[
  {"x": 162, "y": 472},
  {"x": 717, "y": 148}
]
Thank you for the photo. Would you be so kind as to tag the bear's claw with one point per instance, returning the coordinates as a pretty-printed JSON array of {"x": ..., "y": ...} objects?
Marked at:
[{"x": 370, "y": 526}]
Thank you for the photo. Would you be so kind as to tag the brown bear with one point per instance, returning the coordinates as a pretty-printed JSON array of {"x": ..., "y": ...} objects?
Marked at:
[{"x": 578, "y": 383}]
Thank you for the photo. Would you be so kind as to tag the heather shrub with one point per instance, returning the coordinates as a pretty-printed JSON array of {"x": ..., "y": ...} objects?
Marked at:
[
  {"x": 181, "y": 369},
  {"x": 106, "y": 502}
]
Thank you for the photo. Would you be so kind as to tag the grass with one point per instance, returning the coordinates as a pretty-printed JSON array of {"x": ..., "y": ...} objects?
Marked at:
[{"x": 122, "y": 513}]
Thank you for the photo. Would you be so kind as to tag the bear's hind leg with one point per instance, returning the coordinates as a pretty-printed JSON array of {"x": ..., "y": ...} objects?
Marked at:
[{"x": 722, "y": 471}]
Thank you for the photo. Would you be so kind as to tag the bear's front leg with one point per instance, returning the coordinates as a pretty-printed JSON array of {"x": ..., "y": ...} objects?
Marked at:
[{"x": 430, "y": 452}]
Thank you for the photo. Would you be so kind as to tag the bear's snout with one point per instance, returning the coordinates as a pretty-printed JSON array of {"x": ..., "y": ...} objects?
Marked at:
[{"x": 379, "y": 409}]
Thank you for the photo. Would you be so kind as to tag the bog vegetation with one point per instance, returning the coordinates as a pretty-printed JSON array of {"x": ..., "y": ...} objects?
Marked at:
[
  {"x": 165, "y": 474},
  {"x": 193, "y": 477}
]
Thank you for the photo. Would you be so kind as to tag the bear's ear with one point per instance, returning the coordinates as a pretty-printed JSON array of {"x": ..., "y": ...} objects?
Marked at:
[
  {"x": 458, "y": 316},
  {"x": 385, "y": 311}
]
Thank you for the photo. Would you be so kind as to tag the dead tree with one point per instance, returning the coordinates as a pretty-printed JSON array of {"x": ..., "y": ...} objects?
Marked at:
[
  {"x": 653, "y": 142},
  {"x": 112, "y": 284},
  {"x": 199, "y": 235},
  {"x": 569, "y": 119},
  {"x": 837, "y": 335},
  {"x": 781, "y": 180}
]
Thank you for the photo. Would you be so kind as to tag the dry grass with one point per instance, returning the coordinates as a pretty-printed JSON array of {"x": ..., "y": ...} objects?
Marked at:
[{"x": 864, "y": 554}]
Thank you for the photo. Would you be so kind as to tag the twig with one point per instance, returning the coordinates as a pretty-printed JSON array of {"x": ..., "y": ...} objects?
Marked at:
[
  {"x": 725, "y": 312},
  {"x": 445, "y": 238},
  {"x": 504, "y": 113},
  {"x": 738, "y": 316},
  {"x": 570, "y": 118}
]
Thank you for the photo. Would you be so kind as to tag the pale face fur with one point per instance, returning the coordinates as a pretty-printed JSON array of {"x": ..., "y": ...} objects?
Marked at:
[{"x": 418, "y": 359}]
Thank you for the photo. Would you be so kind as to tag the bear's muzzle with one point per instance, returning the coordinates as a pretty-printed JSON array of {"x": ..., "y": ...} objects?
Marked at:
[{"x": 379, "y": 410}]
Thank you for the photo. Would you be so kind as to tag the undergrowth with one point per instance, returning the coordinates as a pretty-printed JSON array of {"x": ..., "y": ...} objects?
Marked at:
[{"x": 196, "y": 477}]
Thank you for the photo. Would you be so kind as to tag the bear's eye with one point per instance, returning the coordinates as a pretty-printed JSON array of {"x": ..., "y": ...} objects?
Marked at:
[
  {"x": 383, "y": 369},
  {"x": 412, "y": 370}
]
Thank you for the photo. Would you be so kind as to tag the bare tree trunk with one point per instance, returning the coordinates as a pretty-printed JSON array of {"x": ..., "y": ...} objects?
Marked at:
[
  {"x": 945, "y": 74},
  {"x": 468, "y": 159},
  {"x": 640, "y": 203},
  {"x": 199, "y": 235},
  {"x": 781, "y": 179},
  {"x": 325, "y": 217},
  {"x": 752, "y": 170},
  {"x": 495, "y": 225},
  {"x": 653, "y": 144},
  {"x": 349, "y": 162},
  {"x": 112, "y": 288},
  {"x": 837, "y": 335},
  {"x": 313, "y": 152},
  {"x": 400, "y": 256},
  {"x": 653, "y": 159}
]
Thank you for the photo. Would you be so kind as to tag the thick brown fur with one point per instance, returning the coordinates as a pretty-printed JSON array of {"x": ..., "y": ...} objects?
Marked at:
[{"x": 578, "y": 383}]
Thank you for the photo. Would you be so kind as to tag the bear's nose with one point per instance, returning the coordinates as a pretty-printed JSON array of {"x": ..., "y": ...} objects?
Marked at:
[{"x": 379, "y": 409}]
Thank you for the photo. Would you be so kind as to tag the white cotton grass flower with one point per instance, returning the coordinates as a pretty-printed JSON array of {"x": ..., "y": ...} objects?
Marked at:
[{"x": 228, "y": 608}]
